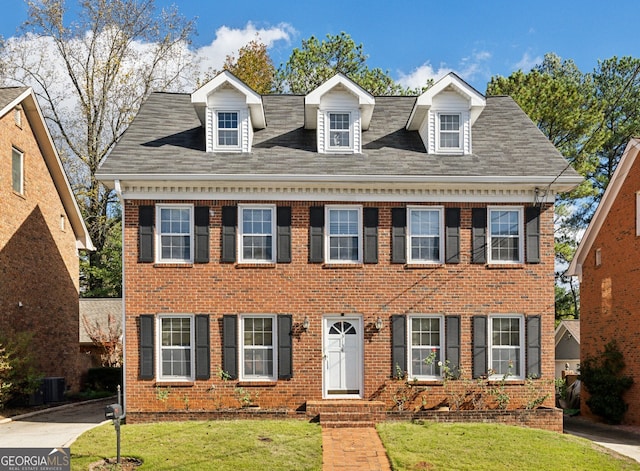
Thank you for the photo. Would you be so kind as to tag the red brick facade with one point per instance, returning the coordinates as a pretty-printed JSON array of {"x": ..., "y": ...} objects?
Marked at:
[
  {"x": 38, "y": 257},
  {"x": 304, "y": 289}
]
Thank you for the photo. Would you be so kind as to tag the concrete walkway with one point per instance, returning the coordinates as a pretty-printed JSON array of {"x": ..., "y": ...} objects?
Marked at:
[
  {"x": 619, "y": 438},
  {"x": 353, "y": 448}
]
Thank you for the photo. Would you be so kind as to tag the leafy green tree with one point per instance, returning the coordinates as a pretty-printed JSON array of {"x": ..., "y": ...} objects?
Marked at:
[
  {"x": 317, "y": 61},
  {"x": 90, "y": 73},
  {"x": 105, "y": 270},
  {"x": 253, "y": 66}
]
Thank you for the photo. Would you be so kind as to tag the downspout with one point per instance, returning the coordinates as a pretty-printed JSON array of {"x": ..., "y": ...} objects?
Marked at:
[{"x": 118, "y": 191}]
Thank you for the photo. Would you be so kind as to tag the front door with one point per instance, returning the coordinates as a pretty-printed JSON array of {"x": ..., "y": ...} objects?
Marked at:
[{"x": 342, "y": 370}]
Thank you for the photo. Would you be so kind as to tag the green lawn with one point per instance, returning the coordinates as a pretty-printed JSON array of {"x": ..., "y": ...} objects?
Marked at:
[
  {"x": 480, "y": 447},
  {"x": 220, "y": 445}
]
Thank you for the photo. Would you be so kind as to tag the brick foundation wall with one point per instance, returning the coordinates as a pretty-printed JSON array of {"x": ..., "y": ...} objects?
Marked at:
[
  {"x": 38, "y": 260},
  {"x": 610, "y": 293},
  {"x": 310, "y": 290}
]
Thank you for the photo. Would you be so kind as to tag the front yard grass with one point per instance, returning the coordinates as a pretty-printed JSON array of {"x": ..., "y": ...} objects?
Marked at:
[
  {"x": 477, "y": 447},
  {"x": 219, "y": 445}
]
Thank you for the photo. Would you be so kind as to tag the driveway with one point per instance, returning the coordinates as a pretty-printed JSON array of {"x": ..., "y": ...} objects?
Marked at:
[
  {"x": 52, "y": 428},
  {"x": 619, "y": 439}
]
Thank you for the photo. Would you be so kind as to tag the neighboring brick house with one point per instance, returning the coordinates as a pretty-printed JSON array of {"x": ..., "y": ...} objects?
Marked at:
[
  {"x": 101, "y": 318},
  {"x": 312, "y": 247},
  {"x": 606, "y": 264},
  {"x": 567, "y": 347},
  {"x": 41, "y": 230}
]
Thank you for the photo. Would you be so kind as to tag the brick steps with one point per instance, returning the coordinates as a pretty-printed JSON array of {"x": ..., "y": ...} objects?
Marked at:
[{"x": 346, "y": 413}]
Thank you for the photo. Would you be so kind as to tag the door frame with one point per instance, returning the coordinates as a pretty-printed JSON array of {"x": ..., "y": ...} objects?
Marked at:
[{"x": 358, "y": 322}]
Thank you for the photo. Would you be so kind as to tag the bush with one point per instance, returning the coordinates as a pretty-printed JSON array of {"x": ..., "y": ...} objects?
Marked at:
[
  {"x": 104, "y": 378},
  {"x": 19, "y": 378},
  {"x": 603, "y": 378}
]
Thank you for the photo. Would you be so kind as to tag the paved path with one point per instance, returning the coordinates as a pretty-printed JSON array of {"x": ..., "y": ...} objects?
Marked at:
[
  {"x": 57, "y": 427},
  {"x": 620, "y": 439},
  {"x": 353, "y": 448}
]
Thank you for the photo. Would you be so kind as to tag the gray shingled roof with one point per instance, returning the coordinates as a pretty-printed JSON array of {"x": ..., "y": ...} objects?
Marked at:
[
  {"x": 167, "y": 138},
  {"x": 98, "y": 310},
  {"x": 8, "y": 94}
]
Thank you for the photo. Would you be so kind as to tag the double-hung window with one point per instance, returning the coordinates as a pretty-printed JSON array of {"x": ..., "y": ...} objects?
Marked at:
[
  {"x": 228, "y": 129},
  {"x": 425, "y": 235},
  {"x": 426, "y": 342},
  {"x": 175, "y": 233},
  {"x": 506, "y": 347},
  {"x": 176, "y": 347},
  {"x": 506, "y": 241},
  {"x": 339, "y": 131},
  {"x": 449, "y": 127},
  {"x": 17, "y": 171},
  {"x": 258, "y": 355},
  {"x": 257, "y": 233},
  {"x": 344, "y": 234}
]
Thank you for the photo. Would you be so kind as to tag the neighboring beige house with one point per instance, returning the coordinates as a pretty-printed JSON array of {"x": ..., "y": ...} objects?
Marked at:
[
  {"x": 104, "y": 314},
  {"x": 567, "y": 347}
]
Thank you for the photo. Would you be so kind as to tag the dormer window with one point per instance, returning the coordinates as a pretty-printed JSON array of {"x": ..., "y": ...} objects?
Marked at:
[
  {"x": 449, "y": 132},
  {"x": 339, "y": 131},
  {"x": 228, "y": 129}
]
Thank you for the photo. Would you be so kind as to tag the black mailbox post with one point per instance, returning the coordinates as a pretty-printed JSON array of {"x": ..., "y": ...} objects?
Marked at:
[{"x": 114, "y": 412}]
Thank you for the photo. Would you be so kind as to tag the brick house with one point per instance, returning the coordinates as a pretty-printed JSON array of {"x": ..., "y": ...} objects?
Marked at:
[
  {"x": 41, "y": 230},
  {"x": 296, "y": 249},
  {"x": 606, "y": 266}
]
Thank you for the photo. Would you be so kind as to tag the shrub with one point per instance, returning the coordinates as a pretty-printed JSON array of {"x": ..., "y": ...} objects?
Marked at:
[
  {"x": 19, "y": 377},
  {"x": 603, "y": 378},
  {"x": 104, "y": 378}
]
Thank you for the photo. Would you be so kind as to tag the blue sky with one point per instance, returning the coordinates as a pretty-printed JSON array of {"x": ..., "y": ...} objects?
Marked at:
[{"x": 414, "y": 40}]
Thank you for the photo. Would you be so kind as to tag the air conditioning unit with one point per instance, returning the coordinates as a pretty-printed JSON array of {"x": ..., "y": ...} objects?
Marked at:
[{"x": 53, "y": 389}]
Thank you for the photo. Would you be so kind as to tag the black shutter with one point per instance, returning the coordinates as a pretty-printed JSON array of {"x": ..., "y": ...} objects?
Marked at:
[
  {"x": 452, "y": 235},
  {"x": 145, "y": 233},
  {"x": 283, "y": 234},
  {"x": 533, "y": 234},
  {"x": 533, "y": 346},
  {"x": 201, "y": 234},
  {"x": 370, "y": 223},
  {"x": 229, "y": 223},
  {"x": 230, "y": 345},
  {"x": 399, "y": 346},
  {"x": 398, "y": 235},
  {"x": 285, "y": 349},
  {"x": 452, "y": 342},
  {"x": 479, "y": 235},
  {"x": 203, "y": 357},
  {"x": 147, "y": 345},
  {"x": 316, "y": 234},
  {"x": 480, "y": 346}
]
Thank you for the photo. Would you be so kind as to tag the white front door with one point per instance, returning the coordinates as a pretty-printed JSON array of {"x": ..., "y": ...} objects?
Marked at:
[{"x": 342, "y": 370}]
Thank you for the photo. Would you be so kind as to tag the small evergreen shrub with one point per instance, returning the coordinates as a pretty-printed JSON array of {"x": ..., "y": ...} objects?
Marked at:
[
  {"x": 603, "y": 378},
  {"x": 105, "y": 378}
]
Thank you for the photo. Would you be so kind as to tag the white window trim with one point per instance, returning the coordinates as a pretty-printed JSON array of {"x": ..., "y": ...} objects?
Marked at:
[
  {"x": 327, "y": 135},
  {"x": 521, "y": 234},
  {"x": 21, "y": 155},
  {"x": 440, "y": 211},
  {"x": 158, "y": 233},
  {"x": 240, "y": 244},
  {"x": 216, "y": 140},
  {"x": 327, "y": 235},
  {"x": 192, "y": 348},
  {"x": 450, "y": 150},
  {"x": 410, "y": 347},
  {"x": 513, "y": 377},
  {"x": 274, "y": 346},
  {"x": 638, "y": 214}
]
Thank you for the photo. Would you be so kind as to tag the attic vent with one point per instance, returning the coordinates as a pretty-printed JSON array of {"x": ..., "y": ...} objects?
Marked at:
[{"x": 17, "y": 115}]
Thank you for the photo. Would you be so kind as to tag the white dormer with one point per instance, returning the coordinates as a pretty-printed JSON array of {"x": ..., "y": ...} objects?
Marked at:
[
  {"x": 444, "y": 114},
  {"x": 339, "y": 110},
  {"x": 229, "y": 110}
]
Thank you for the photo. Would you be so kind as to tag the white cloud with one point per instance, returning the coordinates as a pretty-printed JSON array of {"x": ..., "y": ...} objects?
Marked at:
[
  {"x": 526, "y": 63},
  {"x": 419, "y": 76},
  {"x": 229, "y": 40}
]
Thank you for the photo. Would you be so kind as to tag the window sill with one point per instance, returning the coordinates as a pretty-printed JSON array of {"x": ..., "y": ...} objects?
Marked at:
[
  {"x": 19, "y": 195},
  {"x": 255, "y": 265},
  {"x": 174, "y": 384},
  {"x": 423, "y": 266},
  {"x": 256, "y": 384},
  {"x": 173, "y": 265},
  {"x": 425, "y": 382},
  {"x": 342, "y": 265},
  {"x": 505, "y": 266}
]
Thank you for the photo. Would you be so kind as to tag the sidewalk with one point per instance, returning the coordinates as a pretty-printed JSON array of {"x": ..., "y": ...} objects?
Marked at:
[
  {"x": 619, "y": 438},
  {"x": 353, "y": 448}
]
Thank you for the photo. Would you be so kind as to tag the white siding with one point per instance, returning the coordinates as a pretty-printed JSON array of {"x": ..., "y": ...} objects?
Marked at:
[
  {"x": 339, "y": 101},
  {"x": 447, "y": 102},
  {"x": 228, "y": 99}
]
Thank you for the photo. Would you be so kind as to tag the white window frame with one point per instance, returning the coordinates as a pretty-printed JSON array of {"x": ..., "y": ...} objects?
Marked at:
[
  {"x": 274, "y": 347},
  {"x": 411, "y": 236},
  {"x": 16, "y": 153},
  {"x": 439, "y": 132},
  {"x": 520, "y": 211},
  {"x": 520, "y": 347},
  {"x": 159, "y": 233},
  {"x": 328, "y": 236},
  {"x": 191, "y": 348},
  {"x": 219, "y": 145},
  {"x": 638, "y": 214},
  {"x": 430, "y": 348},
  {"x": 329, "y": 145},
  {"x": 241, "y": 234}
]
